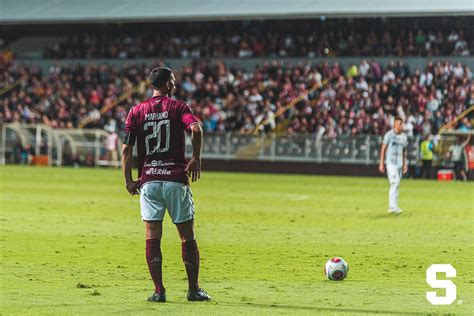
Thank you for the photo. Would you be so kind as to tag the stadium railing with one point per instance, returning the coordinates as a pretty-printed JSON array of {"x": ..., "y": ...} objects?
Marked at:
[
  {"x": 87, "y": 146},
  {"x": 41, "y": 144},
  {"x": 298, "y": 147}
]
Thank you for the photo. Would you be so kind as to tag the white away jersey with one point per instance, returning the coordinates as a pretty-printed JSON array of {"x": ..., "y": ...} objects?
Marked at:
[{"x": 396, "y": 143}]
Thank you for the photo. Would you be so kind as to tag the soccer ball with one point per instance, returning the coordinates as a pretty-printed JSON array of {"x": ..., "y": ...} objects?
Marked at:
[{"x": 336, "y": 269}]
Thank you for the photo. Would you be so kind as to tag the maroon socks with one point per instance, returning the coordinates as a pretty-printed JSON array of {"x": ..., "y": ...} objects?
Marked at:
[
  {"x": 154, "y": 260},
  {"x": 190, "y": 254}
]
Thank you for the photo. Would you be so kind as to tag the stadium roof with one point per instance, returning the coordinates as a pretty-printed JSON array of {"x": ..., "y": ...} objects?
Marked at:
[{"x": 34, "y": 11}]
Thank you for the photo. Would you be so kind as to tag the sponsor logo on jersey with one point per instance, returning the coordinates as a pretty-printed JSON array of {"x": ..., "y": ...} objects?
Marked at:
[
  {"x": 160, "y": 171},
  {"x": 159, "y": 163}
]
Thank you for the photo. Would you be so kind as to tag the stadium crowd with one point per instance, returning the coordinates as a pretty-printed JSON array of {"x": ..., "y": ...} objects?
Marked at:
[
  {"x": 295, "y": 38},
  {"x": 358, "y": 99}
]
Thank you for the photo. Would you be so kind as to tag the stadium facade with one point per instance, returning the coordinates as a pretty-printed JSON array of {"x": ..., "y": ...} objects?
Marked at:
[{"x": 31, "y": 11}]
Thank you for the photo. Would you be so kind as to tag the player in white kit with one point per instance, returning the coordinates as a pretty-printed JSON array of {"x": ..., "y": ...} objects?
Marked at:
[{"x": 393, "y": 158}]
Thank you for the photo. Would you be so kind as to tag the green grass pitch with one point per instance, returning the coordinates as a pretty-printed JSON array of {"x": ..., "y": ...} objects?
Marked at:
[{"x": 72, "y": 243}]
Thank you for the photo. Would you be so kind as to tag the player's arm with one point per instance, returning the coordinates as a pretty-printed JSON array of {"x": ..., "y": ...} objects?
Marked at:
[
  {"x": 449, "y": 154},
  {"x": 383, "y": 150},
  {"x": 127, "y": 151},
  {"x": 467, "y": 141},
  {"x": 127, "y": 159},
  {"x": 405, "y": 160},
  {"x": 194, "y": 165}
]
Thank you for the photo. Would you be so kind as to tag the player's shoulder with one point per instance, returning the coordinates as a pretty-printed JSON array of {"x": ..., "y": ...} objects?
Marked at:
[
  {"x": 178, "y": 103},
  {"x": 404, "y": 139},
  {"x": 147, "y": 104},
  {"x": 389, "y": 133},
  {"x": 139, "y": 106}
]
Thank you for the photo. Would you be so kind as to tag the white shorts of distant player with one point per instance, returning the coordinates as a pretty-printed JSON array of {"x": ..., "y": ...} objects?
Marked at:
[
  {"x": 394, "y": 175},
  {"x": 158, "y": 196}
]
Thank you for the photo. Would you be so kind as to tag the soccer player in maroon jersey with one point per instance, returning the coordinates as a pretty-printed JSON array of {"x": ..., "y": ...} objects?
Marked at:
[{"x": 158, "y": 124}]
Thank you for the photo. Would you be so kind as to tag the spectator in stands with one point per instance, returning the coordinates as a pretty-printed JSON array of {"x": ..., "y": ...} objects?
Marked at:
[
  {"x": 111, "y": 142},
  {"x": 457, "y": 155},
  {"x": 426, "y": 153},
  {"x": 334, "y": 37},
  {"x": 341, "y": 101}
]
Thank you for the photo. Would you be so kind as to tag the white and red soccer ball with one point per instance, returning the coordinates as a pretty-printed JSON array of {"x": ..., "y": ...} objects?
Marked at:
[{"x": 336, "y": 269}]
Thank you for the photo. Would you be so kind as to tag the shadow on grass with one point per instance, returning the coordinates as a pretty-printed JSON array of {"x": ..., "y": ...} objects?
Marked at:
[
  {"x": 386, "y": 215},
  {"x": 318, "y": 308}
]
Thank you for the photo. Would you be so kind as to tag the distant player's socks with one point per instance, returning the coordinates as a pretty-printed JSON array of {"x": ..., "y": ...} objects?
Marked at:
[
  {"x": 198, "y": 295},
  {"x": 157, "y": 297},
  {"x": 190, "y": 253},
  {"x": 154, "y": 260}
]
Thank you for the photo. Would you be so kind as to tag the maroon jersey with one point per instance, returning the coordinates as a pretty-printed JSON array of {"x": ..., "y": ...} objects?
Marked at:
[{"x": 159, "y": 124}]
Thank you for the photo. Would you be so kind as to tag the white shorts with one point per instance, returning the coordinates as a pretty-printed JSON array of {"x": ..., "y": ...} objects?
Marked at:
[
  {"x": 394, "y": 173},
  {"x": 156, "y": 196}
]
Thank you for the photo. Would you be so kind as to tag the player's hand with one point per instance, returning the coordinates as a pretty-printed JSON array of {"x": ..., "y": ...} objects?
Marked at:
[
  {"x": 193, "y": 169},
  {"x": 382, "y": 168},
  {"x": 133, "y": 187},
  {"x": 405, "y": 169}
]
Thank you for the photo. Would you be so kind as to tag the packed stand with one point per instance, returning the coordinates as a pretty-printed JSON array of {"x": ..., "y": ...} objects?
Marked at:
[
  {"x": 358, "y": 99},
  {"x": 281, "y": 38},
  {"x": 365, "y": 98}
]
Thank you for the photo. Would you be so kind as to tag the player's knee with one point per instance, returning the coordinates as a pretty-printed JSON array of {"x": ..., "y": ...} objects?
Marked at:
[
  {"x": 187, "y": 237},
  {"x": 153, "y": 235},
  {"x": 153, "y": 230},
  {"x": 395, "y": 182},
  {"x": 186, "y": 231}
]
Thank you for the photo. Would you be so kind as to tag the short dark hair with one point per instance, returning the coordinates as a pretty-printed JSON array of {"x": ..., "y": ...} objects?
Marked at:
[
  {"x": 160, "y": 76},
  {"x": 398, "y": 118}
]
